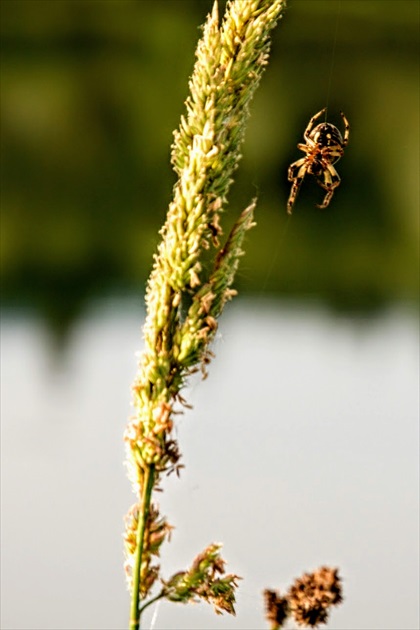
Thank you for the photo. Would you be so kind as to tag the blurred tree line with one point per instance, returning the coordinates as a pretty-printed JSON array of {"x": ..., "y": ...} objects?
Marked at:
[{"x": 91, "y": 91}]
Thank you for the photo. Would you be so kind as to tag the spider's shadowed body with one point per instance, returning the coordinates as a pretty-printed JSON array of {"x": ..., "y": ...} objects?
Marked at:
[{"x": 324, "y": 147}]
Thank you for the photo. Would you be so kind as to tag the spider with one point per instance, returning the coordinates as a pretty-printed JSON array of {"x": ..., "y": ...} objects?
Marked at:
[{"x": 324, "y": 147}]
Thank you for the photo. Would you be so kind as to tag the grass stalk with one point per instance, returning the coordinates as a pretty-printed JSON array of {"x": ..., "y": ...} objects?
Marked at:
[
  {"x": 189, "y": 285},
  {"x": 143, "y": 516}
]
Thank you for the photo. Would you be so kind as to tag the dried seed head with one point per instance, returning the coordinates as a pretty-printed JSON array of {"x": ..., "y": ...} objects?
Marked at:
[
  {"x": 276, "y": 609},
  {"x": 312, "y": 595}
]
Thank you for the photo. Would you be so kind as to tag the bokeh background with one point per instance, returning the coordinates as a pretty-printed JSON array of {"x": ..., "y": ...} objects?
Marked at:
[{"x": 310, "y": 453}]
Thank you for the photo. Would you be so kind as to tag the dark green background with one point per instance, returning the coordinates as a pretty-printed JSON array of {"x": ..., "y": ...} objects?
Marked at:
[{"x": 91, "y": 92}]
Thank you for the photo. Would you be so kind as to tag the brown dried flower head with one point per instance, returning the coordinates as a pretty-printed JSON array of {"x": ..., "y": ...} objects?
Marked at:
[
  {"x": 312, "y": 595},
  {"x": 276, "y": 608}
]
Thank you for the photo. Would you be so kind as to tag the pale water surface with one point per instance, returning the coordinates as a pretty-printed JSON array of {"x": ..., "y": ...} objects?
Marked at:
[{"x": 301, "y": 449}]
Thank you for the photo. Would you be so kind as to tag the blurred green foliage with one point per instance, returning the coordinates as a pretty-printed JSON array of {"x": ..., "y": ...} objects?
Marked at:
[{"x": 91, "y": 92}]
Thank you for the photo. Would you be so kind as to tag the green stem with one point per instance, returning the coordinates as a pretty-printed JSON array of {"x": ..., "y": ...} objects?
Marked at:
[
  {"x": 152, "y": 601},
  {"x": 144, "y": 512}
]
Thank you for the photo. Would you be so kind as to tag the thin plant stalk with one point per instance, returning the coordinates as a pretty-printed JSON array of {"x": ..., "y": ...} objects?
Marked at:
[{"x": 144, "y": 512}]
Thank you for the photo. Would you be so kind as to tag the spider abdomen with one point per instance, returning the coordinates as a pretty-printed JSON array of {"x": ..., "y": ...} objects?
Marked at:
[{"x": 326, "y": 135}]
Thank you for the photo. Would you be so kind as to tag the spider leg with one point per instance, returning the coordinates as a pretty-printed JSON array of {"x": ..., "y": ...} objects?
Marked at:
[
  {"x": 306, "y": 148},
  {"x": 294, "y": 169},
  {"x": 311, "y": 125},
  {"x": 346, "y": 129},
  {"x": 330, "y": 183},
  {"x": 297, "y": 172}
]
